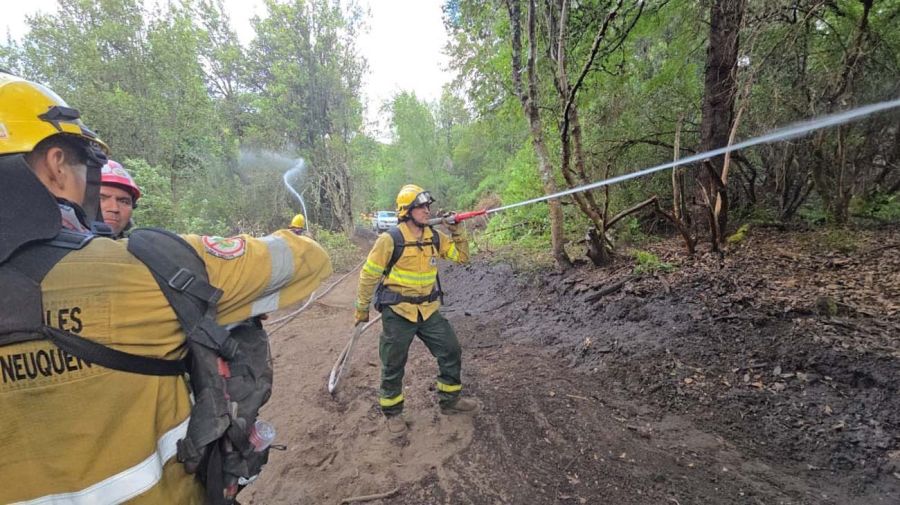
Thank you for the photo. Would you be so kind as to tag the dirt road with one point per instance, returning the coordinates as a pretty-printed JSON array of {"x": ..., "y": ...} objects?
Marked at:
[
  {"x": 699, "y": 387},
  {"x": 337, "y": 447}
]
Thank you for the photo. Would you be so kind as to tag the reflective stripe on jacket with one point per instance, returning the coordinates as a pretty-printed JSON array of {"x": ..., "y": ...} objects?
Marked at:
[
  {"x": 414, "y": 273},
  {"x": 79, "y": 433}
]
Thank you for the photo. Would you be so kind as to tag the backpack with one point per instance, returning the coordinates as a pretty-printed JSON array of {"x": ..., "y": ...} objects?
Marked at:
[
  {"x": 384, "y": 297},
  {"x": 230, "y": 370}
]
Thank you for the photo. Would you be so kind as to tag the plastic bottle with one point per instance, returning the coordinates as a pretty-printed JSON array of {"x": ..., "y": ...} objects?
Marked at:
[{"x": 262, "y": 435}]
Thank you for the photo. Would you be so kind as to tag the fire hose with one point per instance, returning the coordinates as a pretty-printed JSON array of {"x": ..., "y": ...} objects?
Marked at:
[{"x": 793, "y": 131}]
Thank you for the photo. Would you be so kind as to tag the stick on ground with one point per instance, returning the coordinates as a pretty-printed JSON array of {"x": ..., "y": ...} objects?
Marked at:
[{"x": 370, "y": 497}]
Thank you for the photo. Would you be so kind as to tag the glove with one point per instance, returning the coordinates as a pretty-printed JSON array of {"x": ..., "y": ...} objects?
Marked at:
[
  {"x": 454, "y": 227},
  {"x": 362, "y": 316}
]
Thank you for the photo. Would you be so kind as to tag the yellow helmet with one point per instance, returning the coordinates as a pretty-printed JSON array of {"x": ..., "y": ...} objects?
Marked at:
[
  {"x": 410, "y": 197},
  {"x": 30, "y": 112},
  {"x": 298, "y": 222}
]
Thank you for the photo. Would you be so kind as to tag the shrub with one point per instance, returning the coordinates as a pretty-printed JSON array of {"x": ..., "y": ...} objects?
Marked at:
[
  {"x": 840, "y": 240},
  {"x": 344, "y": 253},
  {"x": 649, "y": 263},
  {"x": 739, "y": 235},
  {"x": 629, "y": 232},
  {"x": 881, "y": 206}
]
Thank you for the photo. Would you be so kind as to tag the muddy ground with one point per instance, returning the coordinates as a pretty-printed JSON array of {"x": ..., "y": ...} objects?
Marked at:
[{"x": 767, "y": 376}]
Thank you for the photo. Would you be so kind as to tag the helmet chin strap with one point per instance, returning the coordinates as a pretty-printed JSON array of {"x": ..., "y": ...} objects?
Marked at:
[
  {"x": 91, "y": 204},
  {"x": 413, "y": 220}
]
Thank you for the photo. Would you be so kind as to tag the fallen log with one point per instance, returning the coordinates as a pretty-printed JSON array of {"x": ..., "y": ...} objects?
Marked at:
[{"x": 608, "y": 290}]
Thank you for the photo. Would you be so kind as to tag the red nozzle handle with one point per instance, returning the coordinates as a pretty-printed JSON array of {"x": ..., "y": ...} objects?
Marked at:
[
  {"x": 455, "y": 218},
  {"x": 462, "y": 216}
]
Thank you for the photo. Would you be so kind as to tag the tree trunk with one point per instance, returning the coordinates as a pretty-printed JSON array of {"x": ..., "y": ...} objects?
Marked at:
[
  {"x": 570, "y": 131},
  {"x": 529, "y": 105},
  {"x": 835, "y": 178},
  {"x": 719, "y": 92},
  {"x": 679, "y": 206},
  {"x": 680, "y": 218}
]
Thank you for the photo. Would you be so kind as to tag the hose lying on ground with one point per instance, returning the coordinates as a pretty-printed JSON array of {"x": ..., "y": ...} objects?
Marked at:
[
  {"x": 282, "y": 321},
  {"x": 344, "y": 358}
]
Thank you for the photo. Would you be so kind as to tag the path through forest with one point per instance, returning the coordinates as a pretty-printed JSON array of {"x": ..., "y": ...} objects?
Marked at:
[
  {"x": 337, "y": 446},
  {"x": 769, "y": 377}
]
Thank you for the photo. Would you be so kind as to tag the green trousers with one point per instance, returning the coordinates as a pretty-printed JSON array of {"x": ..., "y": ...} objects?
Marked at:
[{"x": 397, "y": 335}]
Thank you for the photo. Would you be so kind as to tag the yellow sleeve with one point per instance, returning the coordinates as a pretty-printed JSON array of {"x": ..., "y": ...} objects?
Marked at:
[
  {"x": 261, "y": 275},
  {"x": 455, "y": 247},
  {"x": 373, "y": 270}
]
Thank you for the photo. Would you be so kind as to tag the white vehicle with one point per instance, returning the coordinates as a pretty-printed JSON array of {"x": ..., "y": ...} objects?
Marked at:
[{"x": 383, "y": 220}]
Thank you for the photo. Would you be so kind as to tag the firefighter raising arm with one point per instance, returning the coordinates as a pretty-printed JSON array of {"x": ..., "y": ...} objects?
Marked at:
[
  {"x": 402, "y": 273},
  {"x": 261, "y": 275},
  {"x": 457, "y": 248},
  {"x": 454, "y": 248},
  {"x": 82, "y": 432}
]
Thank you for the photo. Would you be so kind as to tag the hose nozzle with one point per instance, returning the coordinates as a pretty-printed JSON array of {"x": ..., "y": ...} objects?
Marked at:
[{"x": 456, "y": 218}]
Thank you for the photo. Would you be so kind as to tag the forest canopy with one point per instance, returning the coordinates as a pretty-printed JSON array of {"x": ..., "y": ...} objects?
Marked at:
[{"x": 548, "y": 96}]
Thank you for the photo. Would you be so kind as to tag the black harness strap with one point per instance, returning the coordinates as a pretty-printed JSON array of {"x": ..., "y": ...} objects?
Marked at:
[
  {"x": 384, "y": 296},
  {"x": 21, "y": 275},
  {"x": 108, "y": 357},
  {"x": 186, "y": 287},
  {"x": 147, "y": 243},
  {"x": 26, "y": 269}
]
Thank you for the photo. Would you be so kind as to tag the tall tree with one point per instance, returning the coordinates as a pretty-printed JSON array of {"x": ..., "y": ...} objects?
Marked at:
[
  {"x": 572, "y": 158},
  {"x": 307, "y": 74},
  {"x": 528, "y": 95},
  {"x": 719, "y": 93},
  {"x": 136, "y": 75}
]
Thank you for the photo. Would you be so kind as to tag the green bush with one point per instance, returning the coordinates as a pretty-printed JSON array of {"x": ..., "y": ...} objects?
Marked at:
[
  {"x": 155, "y": 208},
  {"x": 813, "y": 215},
  {"x": 739, "y": 235},
  {"x": 649, "y": 263},
  {"x": 344, "y": 253},
  {"x": 529, "y": 254},
  {"x": 629, "y": 232},
  {"x": 840, "y": 240},
  {"x": 881, "y": 206},
  {"x": 755, "y": 214}
]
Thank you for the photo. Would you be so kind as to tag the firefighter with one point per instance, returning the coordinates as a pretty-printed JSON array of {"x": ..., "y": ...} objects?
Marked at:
[
  {"x": 74, "y": 431},
  {"x": 298, "y": 224},
  {"x": 408, "y": 295},
  {"x": 118, "y": 197}
]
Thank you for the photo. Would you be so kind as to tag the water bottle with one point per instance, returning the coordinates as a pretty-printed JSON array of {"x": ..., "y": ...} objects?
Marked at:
[{"x": 262, "y": 435}]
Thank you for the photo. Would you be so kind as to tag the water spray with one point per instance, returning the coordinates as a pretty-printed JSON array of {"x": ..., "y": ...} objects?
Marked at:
[
  {"x": 786, "y": 133},
  {"x": 297, "y": 170}
]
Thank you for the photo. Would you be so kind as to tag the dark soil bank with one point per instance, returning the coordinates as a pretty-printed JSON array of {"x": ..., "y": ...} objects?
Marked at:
[{"x": 767, "y": 376}]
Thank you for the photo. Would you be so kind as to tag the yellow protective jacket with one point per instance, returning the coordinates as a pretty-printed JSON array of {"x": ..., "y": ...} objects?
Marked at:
[
  {"x": 73, "y": 432},
  {"x": 415, "y": 272}
]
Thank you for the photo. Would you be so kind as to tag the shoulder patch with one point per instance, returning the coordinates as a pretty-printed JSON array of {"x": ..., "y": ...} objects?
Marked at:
[{"x": 226, "y": 248}]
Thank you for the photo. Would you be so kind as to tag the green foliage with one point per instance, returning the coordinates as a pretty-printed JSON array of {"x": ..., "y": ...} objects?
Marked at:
[
  {"x": 881, "y": 206},
  {"x": 813, "y": 215},
  {"x": 529, "y": 254},
  {"x": 756, "y": 215},
  {"x": 629, "y": 232},
  {"x": 519, "y": 182},
  {"x": 209, "y": 126},
  {"x": 649, "y": 263},
  {"x": 840, "y": 240},
  {"x": 344, "y": 254},
  {"x": 155, "y": 208},
  {"x": 739, "y": 235}
]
